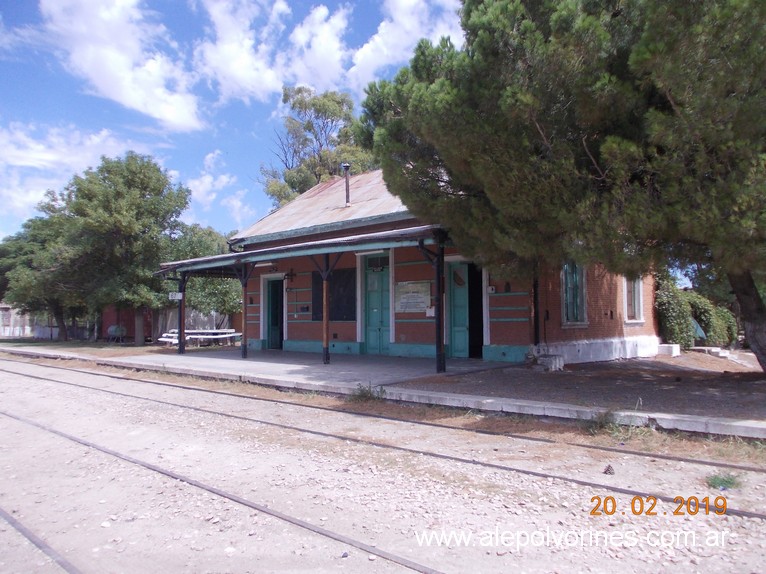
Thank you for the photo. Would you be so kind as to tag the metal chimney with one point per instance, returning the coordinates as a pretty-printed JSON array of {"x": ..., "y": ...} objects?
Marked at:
[{"x": 346, "y": 167}]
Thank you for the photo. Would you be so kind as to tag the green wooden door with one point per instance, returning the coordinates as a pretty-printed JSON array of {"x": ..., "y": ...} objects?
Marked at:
[
  {"x": 377, "y": 305},
  {"x": 459, "y": 335}
]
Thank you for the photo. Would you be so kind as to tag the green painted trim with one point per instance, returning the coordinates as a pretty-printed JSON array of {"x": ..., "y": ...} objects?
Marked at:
[
  {"x": 414, "y": 320},
  {"x": 302, "y": 346},
  {"x": 505, "y": 353},
  {"x": 395, "y": 238},
  {"x": 512, "y": 294},
  {"x": 256, "y": 344},
  {"x": 346, "y": 348},
  {"x": 509, "y": 320},
  {"x": 338, "y": 347},
  {"x": 410, "y": 263},
  {"x": 499, "y": 353},
  {"x": 412, "y": 350},
  {"x": 525, "y": 308}
]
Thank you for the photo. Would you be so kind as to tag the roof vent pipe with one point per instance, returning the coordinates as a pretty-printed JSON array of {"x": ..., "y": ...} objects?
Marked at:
[{"x": 346, "y": 167}]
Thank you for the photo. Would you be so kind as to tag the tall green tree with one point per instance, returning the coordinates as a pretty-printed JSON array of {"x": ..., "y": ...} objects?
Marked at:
[
  {"x": 205, "y": 294},
  {"x": 35, "y": 272},
  {"x": 629, "y": 132},
  {"x": 114, "y": 219},
  {"x": 317, "y": 136}
]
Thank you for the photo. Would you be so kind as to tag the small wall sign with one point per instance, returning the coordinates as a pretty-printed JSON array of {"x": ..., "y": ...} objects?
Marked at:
[{"x": 412, "y": 296}]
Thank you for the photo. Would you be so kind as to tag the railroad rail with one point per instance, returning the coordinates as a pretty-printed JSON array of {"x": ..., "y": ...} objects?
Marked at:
[
  {"x": 435, "y": 455},
  {"x": 606, "y": 449}
]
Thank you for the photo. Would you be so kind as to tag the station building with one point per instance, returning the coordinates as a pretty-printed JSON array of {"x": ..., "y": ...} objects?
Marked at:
[{"x": 345, "y": 268}]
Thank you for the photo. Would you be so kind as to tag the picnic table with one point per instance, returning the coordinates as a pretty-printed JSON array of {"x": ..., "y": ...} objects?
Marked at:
[{"x": 200, "y": 336}]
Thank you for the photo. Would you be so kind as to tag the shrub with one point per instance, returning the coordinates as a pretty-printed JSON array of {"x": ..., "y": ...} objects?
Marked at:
[
  {"x": 718, "y": 323},
  {"x": 369, "y": 393},
  {"x": 673, "y": 312},
  {"x": 729, "y": 322}
]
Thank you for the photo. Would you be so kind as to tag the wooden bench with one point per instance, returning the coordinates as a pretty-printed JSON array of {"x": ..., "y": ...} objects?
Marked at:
[{"x": 199, "y": 335}]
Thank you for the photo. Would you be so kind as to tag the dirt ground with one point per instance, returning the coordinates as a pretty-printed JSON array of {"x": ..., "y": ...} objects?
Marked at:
[
  {"x": 694, "y": 384},
  {"x": 106, "y": 515}
]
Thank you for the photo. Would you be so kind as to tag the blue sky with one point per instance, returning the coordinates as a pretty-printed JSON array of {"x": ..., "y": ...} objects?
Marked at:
[{"x": 194, "y": 83}]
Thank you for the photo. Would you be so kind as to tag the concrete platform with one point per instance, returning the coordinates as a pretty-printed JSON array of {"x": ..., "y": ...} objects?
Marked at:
[{"x": 346, "y": 373}]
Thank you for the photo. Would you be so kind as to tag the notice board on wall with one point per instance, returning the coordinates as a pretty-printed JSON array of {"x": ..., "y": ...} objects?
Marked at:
[{"x": 412, "y": 296}]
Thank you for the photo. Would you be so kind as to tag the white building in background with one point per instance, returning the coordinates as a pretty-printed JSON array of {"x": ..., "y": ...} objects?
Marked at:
[{"x": 14, "y": 324}]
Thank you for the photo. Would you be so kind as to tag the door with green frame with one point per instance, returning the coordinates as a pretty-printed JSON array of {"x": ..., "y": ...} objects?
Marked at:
[
  {"x": 465, "y": 335},
  {"x": 377, "y": 305},
  {"x": 275, "y": 313}
]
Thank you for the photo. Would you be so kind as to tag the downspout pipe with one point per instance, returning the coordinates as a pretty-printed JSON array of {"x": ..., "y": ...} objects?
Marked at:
[{"x": 536, "y": 306}]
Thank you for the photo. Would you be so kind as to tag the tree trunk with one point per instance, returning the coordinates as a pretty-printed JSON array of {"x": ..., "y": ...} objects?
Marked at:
[
  {"x": 157, "y": 324},
  {"x": 58, "y": 315},
  {"x": 753, "y": 313},
  {"x": 139, "y": 331}
]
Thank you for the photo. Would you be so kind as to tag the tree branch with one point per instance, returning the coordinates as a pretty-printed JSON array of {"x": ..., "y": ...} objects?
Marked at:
[{"x": 593, "y": 159}]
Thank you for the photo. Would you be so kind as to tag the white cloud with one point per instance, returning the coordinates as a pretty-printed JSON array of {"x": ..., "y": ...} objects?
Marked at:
[
  {"x": 318, "y": 53},
  {"x": 447, "y": 22},
  {"x": 249, "y": 57},
  {"x": 118, "y": 49},
  {"x": 6, "y": 38},
  {"x": 406, "y": 22},
  {"x": 240, "y": 211},
  {"x": 205, "y": 187},
  {"x": 239, "y": 60},
  {"x": 35, "y": 158}
]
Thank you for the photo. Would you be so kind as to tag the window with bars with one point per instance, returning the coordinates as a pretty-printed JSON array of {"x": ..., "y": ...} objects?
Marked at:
[
  {"x": 573, "y": 293},
  {"x": 342, "y": 295}
]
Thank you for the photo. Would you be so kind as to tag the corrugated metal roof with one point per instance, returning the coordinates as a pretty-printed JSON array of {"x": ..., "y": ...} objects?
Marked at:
[{"x": 324, "y": 205}]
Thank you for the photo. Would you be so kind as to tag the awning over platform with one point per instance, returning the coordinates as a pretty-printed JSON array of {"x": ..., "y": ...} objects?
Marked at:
[{"x": 229, "y": 265}]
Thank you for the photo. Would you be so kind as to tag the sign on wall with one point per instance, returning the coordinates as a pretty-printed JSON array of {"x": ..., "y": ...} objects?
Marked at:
[{"x": 412, "y": 296}]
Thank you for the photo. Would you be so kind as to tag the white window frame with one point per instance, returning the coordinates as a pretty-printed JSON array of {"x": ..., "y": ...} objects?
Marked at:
[
  {"x": 638, "y": 300},
  {"x": 583, "y": 297},
  {"x": 263, "y": 311}
]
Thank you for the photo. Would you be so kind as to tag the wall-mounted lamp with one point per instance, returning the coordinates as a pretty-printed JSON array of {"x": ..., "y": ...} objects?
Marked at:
[{"x": 290, "y": 275}]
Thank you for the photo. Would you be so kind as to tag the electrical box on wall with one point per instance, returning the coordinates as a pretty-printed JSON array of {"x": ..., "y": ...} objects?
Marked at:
[{"x": 490, "y": 289}]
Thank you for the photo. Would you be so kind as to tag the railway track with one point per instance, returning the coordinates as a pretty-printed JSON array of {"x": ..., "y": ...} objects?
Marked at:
[
  {"x": 315, "y": 422},
  {"x": 384, "y": 445},
  {"x": 265, "y": 509},
  {"x": 605, "y": 449}
]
